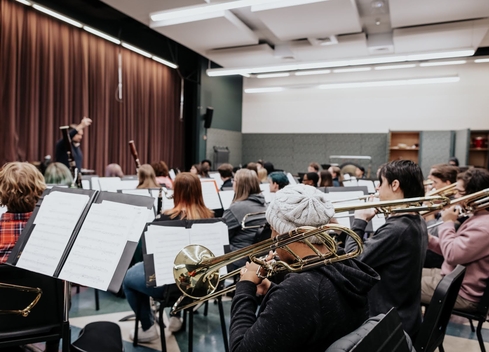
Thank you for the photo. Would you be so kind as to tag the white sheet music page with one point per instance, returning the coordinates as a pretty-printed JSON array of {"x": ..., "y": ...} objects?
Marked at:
[
  {"x": 343, "y": 217},
  {"x": 165, "y": 242},
  {"x": 292, "y": 180},
  {"x": 226, "y": 198},
  {"x": 369, "y": 183},
  {"x": 210, "y": 194},
  {"x": 54, "y": 225},
  {"x": 101, "y": 241},
  {"x": 217, "y": 177},
  {"x": 110, "y": 184},
  {"x": 213, "y": 236}
]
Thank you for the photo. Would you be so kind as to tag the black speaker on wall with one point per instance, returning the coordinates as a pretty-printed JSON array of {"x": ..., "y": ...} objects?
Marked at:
[{"x": 208, "y": 117}]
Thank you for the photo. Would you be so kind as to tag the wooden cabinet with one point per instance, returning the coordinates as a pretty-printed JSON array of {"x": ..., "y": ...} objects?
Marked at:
[
  {"x": 478, "y": 149},
  {"x": 404, "y": 145}
]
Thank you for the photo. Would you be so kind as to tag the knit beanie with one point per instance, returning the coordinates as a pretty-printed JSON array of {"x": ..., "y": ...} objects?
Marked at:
[{"x": 298, "y": 205}]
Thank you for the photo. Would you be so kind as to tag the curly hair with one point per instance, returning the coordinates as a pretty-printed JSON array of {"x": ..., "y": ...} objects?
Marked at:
[{"x": 21, "y": 185}]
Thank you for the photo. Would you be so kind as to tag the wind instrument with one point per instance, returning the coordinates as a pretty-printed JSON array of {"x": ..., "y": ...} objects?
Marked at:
[
  {"x": 134, "y": 154},
  {"x": 23, "y": 312},
  {"x": 196, "y": 270},
  {"x": 75, "y": 173}
]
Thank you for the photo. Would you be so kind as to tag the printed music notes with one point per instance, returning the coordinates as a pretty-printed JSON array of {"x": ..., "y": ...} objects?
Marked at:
[{"x": 210, "y": 194}]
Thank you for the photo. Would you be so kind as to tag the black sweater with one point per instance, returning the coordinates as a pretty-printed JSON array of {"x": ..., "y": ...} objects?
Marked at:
[
  {"x": 396, "y": 251},
  {"x": 308, "y": 311}
]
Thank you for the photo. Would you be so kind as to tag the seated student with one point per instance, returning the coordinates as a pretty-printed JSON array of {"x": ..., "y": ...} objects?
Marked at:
[
  {"x": 162, "y": 174},
  {"x": 58, "y": 174},
  {"x": 336, "y": 173},
  {"x": 360, "y": 172},
  {"x": 196, "y": 169},
  {"x": 313, "y": 167},
  {"x": 247, "y": 199},
  {"x": 21, "y": 186},
  {"x": 277, "y": 180},
  {"x": 147, "y": 177},
  {"x": 453, "y": 161},
  {"x": 269, "y": 167},
  {"x": 308, "y": 310},
  {"x": 311, "y": 179},
  {"x": 441, "y": 175},
  {"x": 469, "y": 245},
  {"x": 325, "y": 179},
  {"x": 189, "y": 204},
  {"x": 397, "y": 249},
  {"x": 206, "y": 163},
  {"x": 113, "y": 170},
  {"x": 262, "y": 175},
  {"x": 226, "y": 172},
  {"x": 252, "y": 166}
]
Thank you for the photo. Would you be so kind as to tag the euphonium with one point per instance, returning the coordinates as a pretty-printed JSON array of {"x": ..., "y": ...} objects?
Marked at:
[
  {"x": 196, "y": 270},
  {"x": 24, "y": 312}
]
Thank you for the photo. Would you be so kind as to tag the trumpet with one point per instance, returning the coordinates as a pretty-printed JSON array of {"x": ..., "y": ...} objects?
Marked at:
[{"x": 196, "y": 269}]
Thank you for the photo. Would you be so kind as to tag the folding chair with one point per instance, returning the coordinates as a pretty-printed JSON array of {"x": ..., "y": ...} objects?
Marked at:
[{"x": 437, "y": 315}]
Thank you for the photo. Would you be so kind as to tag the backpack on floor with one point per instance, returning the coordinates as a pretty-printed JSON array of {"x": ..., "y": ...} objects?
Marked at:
[{"x": 100, "y": 336}]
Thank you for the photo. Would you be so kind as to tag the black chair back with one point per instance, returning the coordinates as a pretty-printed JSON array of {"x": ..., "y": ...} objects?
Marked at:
[
  {"x": 437, "y": 315},
  {"x": 382, "y": 333},
  {"x": 44, "y": 322}
]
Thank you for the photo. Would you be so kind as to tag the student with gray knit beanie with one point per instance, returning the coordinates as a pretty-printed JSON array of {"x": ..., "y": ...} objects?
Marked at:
[{"x": 308, "y": 310}]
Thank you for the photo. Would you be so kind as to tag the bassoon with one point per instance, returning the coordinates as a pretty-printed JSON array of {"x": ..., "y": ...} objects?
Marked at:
[{"x": 77, "y": 181}]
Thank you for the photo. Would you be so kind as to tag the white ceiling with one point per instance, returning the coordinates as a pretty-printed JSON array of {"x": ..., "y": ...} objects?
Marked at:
[{"x": 362, "y": 28}]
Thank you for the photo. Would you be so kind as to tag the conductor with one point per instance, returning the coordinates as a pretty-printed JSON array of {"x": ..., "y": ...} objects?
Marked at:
[{"x": 76, "y": 135}]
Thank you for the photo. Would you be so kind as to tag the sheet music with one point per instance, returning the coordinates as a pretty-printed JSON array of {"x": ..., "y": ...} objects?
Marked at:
[
  {"x": 54, "y": 225},
  {"x": 128, "y": 184},
  {"x": 172, "y": 174},
  {"x": 226, "y": 198},
  {"x": 351, "y": 182},
  {"x": 292, "y": 180},
  {"x": 210, "y": 194},
  {"x": 168, "y": 203},
  {"x": 212, "y": 236},
  {"x": 266, "y": 193},
  {"x": 370, "y": 185},
  {"x": 165, "y": 242},
  {"x": 217, "y": 177},
  {"x": 145, "y": 193},
  {"x": 110, "y": 184},
  {"x": 95, "y": 184},
  {"x": 101, "y": 241},
  {"x": 86, "y": 184}
]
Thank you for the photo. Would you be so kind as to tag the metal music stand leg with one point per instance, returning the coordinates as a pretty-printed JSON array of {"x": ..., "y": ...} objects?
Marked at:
[
  {"x": 190, "y": 329},
  {"x": 223, "y": 324},
  {"x": 66, "y": 322}
]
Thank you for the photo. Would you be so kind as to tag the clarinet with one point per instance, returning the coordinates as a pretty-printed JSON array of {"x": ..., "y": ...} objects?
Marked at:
[
  {"x": 159, "y": 208},
  {"x": 134, "y": 153},
  {"x": 77, "y": 182}
]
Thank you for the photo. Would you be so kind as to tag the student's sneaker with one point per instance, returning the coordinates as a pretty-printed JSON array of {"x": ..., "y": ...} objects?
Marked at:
[
  {"x": 175, "y": 324},
  {"x": 145, "y": 336}
]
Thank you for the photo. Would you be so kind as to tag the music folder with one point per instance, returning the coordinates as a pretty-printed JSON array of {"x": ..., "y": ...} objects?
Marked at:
[
  {"x": 82, "y": 236},
  {"x": 163, "y": 240}
]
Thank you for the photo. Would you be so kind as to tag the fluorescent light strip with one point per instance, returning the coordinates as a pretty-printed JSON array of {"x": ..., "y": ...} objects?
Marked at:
[
  {"x": 329, "y": 64},
  {"x": 281, "y": 4},
  {"x": 164, "y": 62},
  {"x": 400, "y": 82},
  {"x": 354, "y": 69},
  {"x": 57, "y": 15},
  {"x": 136, "y": 50},
  {"x": 102, "y": 35},
  {"x": 314, "y": 72},
  {"x": 274, "y": 75},
  {"x": 480, "y": 61},
  {"x": 442, "y": 63},
  {"x": 394, "y": 67},
  {"x": 264, "y": 90},
  {"x": 25, "y": 2}
]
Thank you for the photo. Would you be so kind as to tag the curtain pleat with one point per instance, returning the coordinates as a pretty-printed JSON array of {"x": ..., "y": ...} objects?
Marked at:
[{"x": 52, "y": 74}]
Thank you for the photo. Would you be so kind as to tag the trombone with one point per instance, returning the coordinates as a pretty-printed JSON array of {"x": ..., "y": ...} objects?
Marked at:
[
  {"x": 196, "y": 269},
  {"x": 23, "y": 312}
]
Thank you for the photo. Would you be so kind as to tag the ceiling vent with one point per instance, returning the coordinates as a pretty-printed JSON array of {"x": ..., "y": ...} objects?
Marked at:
[
  {"x": 379, "y": 44},
  {"x": 331, "y": 40}
]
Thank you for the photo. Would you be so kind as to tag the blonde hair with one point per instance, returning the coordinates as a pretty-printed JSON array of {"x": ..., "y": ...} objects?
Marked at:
[
  {"x": 188, "y": 200},
  {"x": 262, "y": 175},
  {"x": 21, "y": 186},
  {"x": 147, "y": 177},
  {"x": 245, "y": 183}
]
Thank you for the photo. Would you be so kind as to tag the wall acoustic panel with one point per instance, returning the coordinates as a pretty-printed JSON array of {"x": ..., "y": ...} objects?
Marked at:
[{"x": 435, "y": 149}]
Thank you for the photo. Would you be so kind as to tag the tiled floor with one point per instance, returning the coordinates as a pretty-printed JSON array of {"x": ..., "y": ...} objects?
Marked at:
[{"x": 207, "y": 332}]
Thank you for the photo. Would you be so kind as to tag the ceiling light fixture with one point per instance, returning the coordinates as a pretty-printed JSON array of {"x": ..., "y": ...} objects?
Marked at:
[
  {"x": 57, "y": 15},
  {"x": 164, "y": 62},
  {"x": 442, "y": 63},
  {"x": 314, "y": 72},
  {"x": 264, "y": 90},
  {"x": 25, "y": 2},
  {"x": 102, "y": 35},
  {"x": 480, "y": 61},
  {"x": 273, "y": 75},
  {"x": 136, "y": 50},
  {"x": 394, "y": 67},
  {"x": 353, "y": 69},
  {"x": 277, "y": 4},
  {"x": 342, "y": 63}
]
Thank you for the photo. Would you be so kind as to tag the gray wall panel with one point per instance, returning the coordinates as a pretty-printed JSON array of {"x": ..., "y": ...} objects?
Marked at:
[
  {"x": 435, "y": 149},
  {"x": 222, "y": 138}
]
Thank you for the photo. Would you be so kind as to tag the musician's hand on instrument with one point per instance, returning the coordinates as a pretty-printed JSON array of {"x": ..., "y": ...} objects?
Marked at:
[
  {"x": 263, "y": 287},
  {"x": 249, "y": 273},
  {"x": 450, "y": 214},
  {"x": 365, "y": 214}
]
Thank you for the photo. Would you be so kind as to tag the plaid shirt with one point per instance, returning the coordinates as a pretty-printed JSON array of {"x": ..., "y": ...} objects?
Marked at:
[{"x": 11, "y": 226}]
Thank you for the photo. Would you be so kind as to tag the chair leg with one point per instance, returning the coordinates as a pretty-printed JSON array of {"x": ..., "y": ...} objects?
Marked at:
[
  {"x": 206, "y": 308},
  {"x": 440, "y": 348},
  {"x": 471, "y": 325},
  {"x": 190, "y": 330},
  {"x": 223, "y": 324},
  {"x": 479, "y": 335},
  {"x": 138, "y": 316}
]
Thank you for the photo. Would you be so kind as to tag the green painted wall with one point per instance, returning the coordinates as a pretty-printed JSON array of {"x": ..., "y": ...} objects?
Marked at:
[{"x": 225, "y": 95}]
